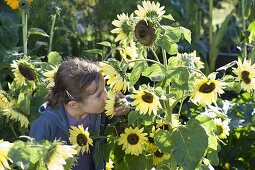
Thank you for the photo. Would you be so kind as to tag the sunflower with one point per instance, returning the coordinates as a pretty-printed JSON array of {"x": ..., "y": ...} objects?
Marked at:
[
  {"x": 246, "y": 74},
  {"x": 151, "y": 143},
  {"x": 50, "y": 75},
  {"x": 133, "y": 141},
  {"x": 145, "y": 33},
  {"x": 110, "y": 104},
  {"x": 4, "y": 149},
  {"x": 129, "y": 53},
  {"x": 16, "y": 116},
  {"x": 207, "y": 90},
  {"x": 145, "y": 101},
  {"x": 109, "y": 165},
  {"x": 14, "y": 4},
  {"x": 57, "y": 155},
  {"x": 124, "y": 27},
  {"x": 159, "y": 157},
  {"x": 23, "y": 70},
  {"x": 150, "y": 10},
  {"x": 116, "y": 80},
  {"x": 4, "y": 102},
  {"x": 80, "y": 138},
  {"x": 222, "y": 128}
]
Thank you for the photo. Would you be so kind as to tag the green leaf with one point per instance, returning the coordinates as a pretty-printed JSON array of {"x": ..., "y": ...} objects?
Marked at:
[
  {"x": 169, "y": 46},
  {"x": 54, "y": 58},
  {"x": 154, "y": 72},
  {"x": 179, "y": 78},
  {"x": 95, "y": 51},
  {"x": 37, "y": 31},
  {"x": 174, "y": 34},
  {"x": 169, "y": 16},
  {"x": 136, "y": 73},
  {"x": 212, "y": 155},
  {"x": 133, "y": 116},
  {"x": 251, "y": 29},
  {"x": 189, "y": 144},
  {"x": 24, "y": 103},
  {"x": 105, "y": 43},
  {"x": 162, "y": 140}
]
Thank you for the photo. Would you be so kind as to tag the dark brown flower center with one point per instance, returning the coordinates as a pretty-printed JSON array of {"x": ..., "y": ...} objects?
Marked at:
[
  {"x": 81, "y": 139},
  {"x": 158, "y": 154},
  {"x": 147, "y": 97},
  {"x": 145, "y": 33},
  {"x": 27, "y": 72},
  {"x": 219, "y": 130},
  {"x": 151, "y": 140},
  {"x": 133, "y": 139},
  {"x": 128, "y": 57},
  {"x": 207, "y": 88},
  {"x": 245, "y": 77}
]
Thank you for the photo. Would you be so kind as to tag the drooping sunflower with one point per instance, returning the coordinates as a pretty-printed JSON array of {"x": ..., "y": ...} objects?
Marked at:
[
  {"x": 145, "y": 101},
  {"x": 57, "y": 155},
  {"x": 16, "y": 116},
  {"x": 23, "y": 71},
  {"x": 50, "y": 74},
  {"x": 110, "y": 104},
  {"x": 4, "y": 149},
  {"x": 4, "y": 102},
  {"x": 80, "y": 139},
  {"x": 159, "y": 157},
  {"x": 246, "y": 74},
  {"x": 222, "y": 128},
  {"x": 14, "y": 4},
  {"x": 150, "y": 10},
  {"x": 116, "y": 80},
  {"x": 109, "y": 165},
  {"x": 206, "y": 90},
  {"x": 145, "y": 33},
  {"x": 129, "y": 52},
  {"x": 133, "y": 141},
  {"x": 124, "y": 27}
]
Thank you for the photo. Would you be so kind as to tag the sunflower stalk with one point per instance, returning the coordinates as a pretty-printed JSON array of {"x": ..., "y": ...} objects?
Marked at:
[
  {"x": 24, "y": 30},
  {"x": 15, "y": 134},
  {"x": 244, "y": 29},
  {"x": 155, "y": 55},
  {"x": 52, "y": 31}
]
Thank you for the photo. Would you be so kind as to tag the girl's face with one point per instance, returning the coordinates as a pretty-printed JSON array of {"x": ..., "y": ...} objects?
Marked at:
[{"x": 95, "y": 102}]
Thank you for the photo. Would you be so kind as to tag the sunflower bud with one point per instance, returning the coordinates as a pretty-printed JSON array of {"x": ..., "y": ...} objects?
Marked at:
[
  {"x": 24, "y": 4},
  {"x": 145, "y": 33},
  {"x": 27, "y": 72}
]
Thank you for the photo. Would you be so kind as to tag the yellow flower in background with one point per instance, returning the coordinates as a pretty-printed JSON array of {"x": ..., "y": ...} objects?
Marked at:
[
  {"x": 109, "y": 165},
  {"x": 58, "y": 155},
  {"x": 4, "y": 149},
  {"x": 16, "y": 116},
  {"x": 158, "y": 157},
  {"x": 50, "y": 75},
  {"x": 110, "y": 104},
  {"x": 133, "y": 141},
  {"x": 206, "y": 90},
  {"x": 222, "y": 128},
  {"x": 116, "y": 81},
  {"x": 80, "y": 139},
  {"x": 150, "y": 10},
  {"x": 145, "y": 101},
  {"x": 151, "y": 142},
  {"x": 246, "y": 74},
  {"x": 129, "y": 53},
  {"x": 4, "y": 102},
  {"x": 124, "y": 27},
  {"x": 14, "y": 4},
  {"x": 23, "y": 70}
]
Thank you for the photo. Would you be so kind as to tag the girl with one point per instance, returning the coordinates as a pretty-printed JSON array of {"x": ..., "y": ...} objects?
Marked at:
[{"x": 78, "y": 97}]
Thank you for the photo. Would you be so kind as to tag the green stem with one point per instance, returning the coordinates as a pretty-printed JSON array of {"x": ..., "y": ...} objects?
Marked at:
[
  {"x": 15, "y": 134},
  {"x": 244, "y": 29},
  {"x": 154, "y": 53},
  {"x": 52, "y": 31},
  {"x": 24, "y": 31},
  {"x": 179, "y": 112},
  {"x": 210, "y": 22}
]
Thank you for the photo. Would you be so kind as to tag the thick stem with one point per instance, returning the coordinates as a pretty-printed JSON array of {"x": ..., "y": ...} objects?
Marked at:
[
  {"x": 24, "y": 31},
  {"x": 52, "y": 32},
  {"x": 244, "y": 29}
]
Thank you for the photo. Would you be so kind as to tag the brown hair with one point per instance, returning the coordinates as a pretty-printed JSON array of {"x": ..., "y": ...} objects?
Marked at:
[{"x": 71, "y": 81}]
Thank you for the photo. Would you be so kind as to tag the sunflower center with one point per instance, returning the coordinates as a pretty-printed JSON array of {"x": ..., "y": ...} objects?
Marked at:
[
  {"x": 158, "y": 154},
  {"x": 151, "y": 140},
  {"x": 128, "y": 57},
  {"x": 133, "y": 139},
  {"x": 81, "y": 139},
  {"x": 245, "y": 77},
  {"x": 207, "y": 88},
  {"x": 145, "y": 33},
  {"x": 26, "y": 72},
  {"x": 126, "y": 27},
  {"x": 152, "y": 14},
  {"x": 219, "y": 130},
  {"x": 147, "y": 97}
]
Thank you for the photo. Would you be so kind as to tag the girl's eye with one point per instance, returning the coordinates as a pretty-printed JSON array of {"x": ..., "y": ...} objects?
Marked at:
[{"x": 98, "y": 95}]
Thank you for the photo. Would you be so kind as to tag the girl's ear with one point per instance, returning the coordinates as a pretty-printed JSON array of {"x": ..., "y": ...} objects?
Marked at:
[{"x": 73, "y": 104}]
